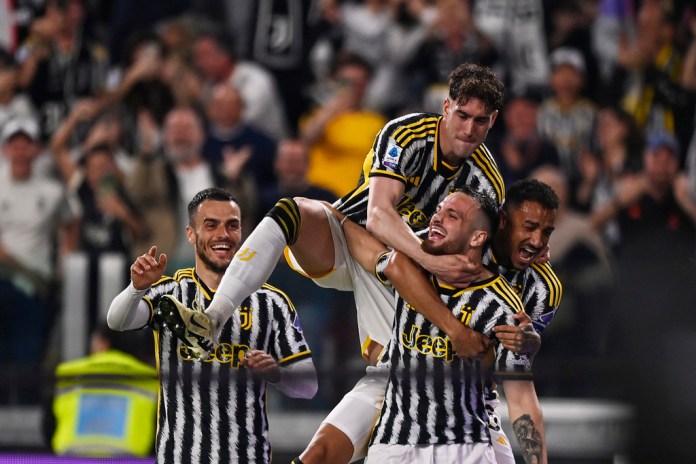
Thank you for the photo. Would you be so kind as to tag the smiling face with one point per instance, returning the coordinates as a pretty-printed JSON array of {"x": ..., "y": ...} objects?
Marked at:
[
  {"x": 523, "y": 233},
  {"x": 216, "y": 234},
  {"x": 452, "y": 226},
  {"x": 465, "y": 126}
]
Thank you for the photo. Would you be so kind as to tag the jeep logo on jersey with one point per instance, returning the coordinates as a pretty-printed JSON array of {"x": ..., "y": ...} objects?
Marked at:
[
  {"x": 223, "y": 353},
  {"x": 391, "y": 159}
]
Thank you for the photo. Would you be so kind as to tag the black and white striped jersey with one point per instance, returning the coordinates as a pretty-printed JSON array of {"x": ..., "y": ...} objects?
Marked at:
[
  {"x": 433, "y": 396},
  {"x": 215, "y": 411},
  {"x": 537, "y": 286},
  {"x": 407, "y": 149}
]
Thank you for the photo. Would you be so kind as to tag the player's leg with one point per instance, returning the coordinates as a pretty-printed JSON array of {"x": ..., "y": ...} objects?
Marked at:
[
  {"x": 343, "y": 436},
  {"x": 301, "y": 224}
]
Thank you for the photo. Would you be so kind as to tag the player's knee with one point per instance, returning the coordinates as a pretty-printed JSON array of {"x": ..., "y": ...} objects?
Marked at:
[{"x": 286, "y": 214}]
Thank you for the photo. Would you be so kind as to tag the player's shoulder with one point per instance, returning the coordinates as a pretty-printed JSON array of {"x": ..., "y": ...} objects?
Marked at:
[
  {"x": 544, "y": 274},
  {"x": 506, "y": 294},
  {"x": 275, "y": 296},
  {"x": 412, "y": 126}
]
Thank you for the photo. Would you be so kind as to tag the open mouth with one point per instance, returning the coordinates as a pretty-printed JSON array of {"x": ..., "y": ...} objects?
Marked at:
[
  {"x": 221, "y": 249},
  {"x": 527, "y": 254},
  {"x": 436, "y": 233}
]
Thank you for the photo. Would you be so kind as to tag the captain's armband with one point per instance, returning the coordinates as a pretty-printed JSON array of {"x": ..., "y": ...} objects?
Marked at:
[{"x": 381, "y": 265}]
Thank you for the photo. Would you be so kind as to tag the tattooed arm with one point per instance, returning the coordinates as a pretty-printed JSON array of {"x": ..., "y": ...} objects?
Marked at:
[{"x": 526, "y": 419}]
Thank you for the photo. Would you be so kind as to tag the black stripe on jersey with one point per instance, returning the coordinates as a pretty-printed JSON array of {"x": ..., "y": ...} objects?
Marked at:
[
  {"x": 554, "y": 284},
  {"x": 483, "y": 159}
]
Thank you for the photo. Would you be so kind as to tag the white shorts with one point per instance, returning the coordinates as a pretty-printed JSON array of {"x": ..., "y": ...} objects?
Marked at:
[
  {"x": 473, "y": 453},
  {"x": 357, "y": 413},
  {"x": 500, "y": 442},
  {"x": 374, "y": 302}
]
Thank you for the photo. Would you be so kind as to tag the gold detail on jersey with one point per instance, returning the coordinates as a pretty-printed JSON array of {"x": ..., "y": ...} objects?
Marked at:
[
  {"x": 439, "y": 347},
  {"x": 223, "y": 353},
  {"x": 415, "y": 180},
  {"x": 414, "y": 217},
  {"x": 466, "y": 312},
  {"x": 502, "y": 440},
  {"x": 246, "y": 254},
  {"x": 507, "y": 293},
  {"x": 419, "y": 129},
  {"x": 245, "y": 317}
]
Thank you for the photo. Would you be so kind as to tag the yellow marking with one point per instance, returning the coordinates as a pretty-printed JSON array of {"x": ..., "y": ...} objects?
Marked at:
[{"x": 246, "y": 254}]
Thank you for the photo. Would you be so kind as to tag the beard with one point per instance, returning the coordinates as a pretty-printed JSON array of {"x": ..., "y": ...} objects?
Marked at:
[
  {"x": 445, "y": 248},
  {"x": 209, "y": 263}
]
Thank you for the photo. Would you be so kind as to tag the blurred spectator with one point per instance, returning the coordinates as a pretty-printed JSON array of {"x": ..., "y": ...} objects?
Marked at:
[
  {"x": 584, "y": 265},
  {"x": 291, "y": 166},
  {"x": 103, "y": 127},
  {"x": 60, "y": 62},
  {"x": 104, "y": 404},
  {"x": 614, "y": 22},
  {"x": 618, "y": 152},
  {"x": 519, "y": 149},
  {"x": 340, "y": 132},
  {"x": 13, "y": 102},
  {"x": 654, "y": 297},
  {"x": 278, "y": 35},
  {"x": 516, "y": 27},
  {"x": 566, "y": 118},
  {"x": 176, "y": 38},
  {"x": 139, "y": 83},
  {"x": 229, "y": 136},
  {"x": 653, "y": 93},
  {"x": 387, "y": 35},
  {"x": 454, "y": 38},
  {"x": 35, "y": 221},
  {"x": 214, "y": 56}
]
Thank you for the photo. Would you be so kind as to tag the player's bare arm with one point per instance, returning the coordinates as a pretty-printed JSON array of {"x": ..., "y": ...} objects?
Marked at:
[
  {"x": 386, "y": 224},
  {"x": 527, "y": 420},
  {"x": 520, "y": 338}
]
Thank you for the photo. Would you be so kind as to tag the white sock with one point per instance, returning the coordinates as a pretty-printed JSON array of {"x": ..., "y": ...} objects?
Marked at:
[{"x": 249, "y": 270}]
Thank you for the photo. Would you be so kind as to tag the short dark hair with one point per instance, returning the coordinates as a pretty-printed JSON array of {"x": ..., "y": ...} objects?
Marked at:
[
  {"x": 214, "y": 194},
  {"x": 485, "y": 203},
  {"x": 473, "y": 81},
  {"x": 530, "y": 190}
]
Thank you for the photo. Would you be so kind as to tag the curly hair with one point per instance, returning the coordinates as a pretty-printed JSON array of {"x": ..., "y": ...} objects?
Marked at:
[{"x": 470, "y": 80}]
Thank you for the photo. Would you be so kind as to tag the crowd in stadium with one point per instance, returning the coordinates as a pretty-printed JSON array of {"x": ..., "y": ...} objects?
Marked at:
[{"x": 114, "y": 114}]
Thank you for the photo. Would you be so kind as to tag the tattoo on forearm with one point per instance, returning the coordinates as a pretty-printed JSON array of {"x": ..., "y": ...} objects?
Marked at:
[{"x": 529, "y": 439}]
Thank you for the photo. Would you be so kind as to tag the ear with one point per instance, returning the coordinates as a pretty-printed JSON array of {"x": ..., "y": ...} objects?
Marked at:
[
  {"x": 502, "y": 220},
  {"x": 478, "y": 238},
  {"x": 446, "y": 106},
  {"x": 494, "y": 116},
  {"x": 190, "y": 235}
]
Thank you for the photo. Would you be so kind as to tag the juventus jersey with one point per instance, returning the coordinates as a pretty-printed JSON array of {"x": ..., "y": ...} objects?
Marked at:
[
  {"x": 215, "y": 411},
  {"x": 537, "y": 286},
  {"x": 433, "y": 396},
  {"x": 407, "y": 149}
]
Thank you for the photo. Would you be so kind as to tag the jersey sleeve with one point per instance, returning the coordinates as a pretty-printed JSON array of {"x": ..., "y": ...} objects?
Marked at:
[
  {"x": 542, "y": 295},
  {"x": 288, "y": 344}
]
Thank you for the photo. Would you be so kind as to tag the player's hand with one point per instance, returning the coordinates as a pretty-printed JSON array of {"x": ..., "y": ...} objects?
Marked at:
[
  {"x": 468, "y": 343},
  {"x": 455, "y": 270},
  {"x": 520, "y": 338},
  {"x": 262, "y": 363},
  {"x": 147, "y": 269}
]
